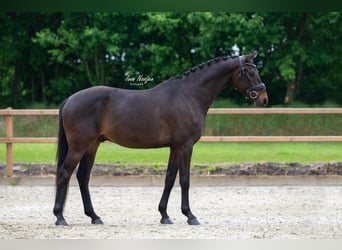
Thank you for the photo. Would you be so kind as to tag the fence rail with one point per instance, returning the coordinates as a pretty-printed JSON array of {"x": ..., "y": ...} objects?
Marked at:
[{"x": 9, "y": 140}]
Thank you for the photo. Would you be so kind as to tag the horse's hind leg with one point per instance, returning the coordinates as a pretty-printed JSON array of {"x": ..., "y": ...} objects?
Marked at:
[
  {"x": 83, "y": 176},
  {"x": 62, "y": 182},
  {"x": 169, "y": 182}
]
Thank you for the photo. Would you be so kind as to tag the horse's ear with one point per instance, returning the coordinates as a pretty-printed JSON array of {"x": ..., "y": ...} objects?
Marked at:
[{"x": 250, "y": 57}]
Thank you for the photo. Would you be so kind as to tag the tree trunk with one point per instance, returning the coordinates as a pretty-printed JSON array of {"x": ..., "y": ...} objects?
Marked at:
[
  {"x": 97, "y": 66},
  {"x": 290, "y": 92},
  {"x": 15, "y": 84},
  {"x": 102, "y": 74},
  {"x": 42, "y": 76},
  {"x": 293, "y": 87},
  {"x": 33, "y": 88},
  {"x": 88, "y": 72}
]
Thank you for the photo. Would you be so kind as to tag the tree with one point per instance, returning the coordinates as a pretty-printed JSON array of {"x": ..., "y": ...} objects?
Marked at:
[
  {"x": 23, "y": 62},
  {"x": 293, "y": 47},
  {"x": 167, "y": 46},
  {"x": 46, "y": 57}
]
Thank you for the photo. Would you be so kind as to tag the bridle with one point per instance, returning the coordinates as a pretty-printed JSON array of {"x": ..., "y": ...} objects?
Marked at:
[{"x": 254, "y": 91}]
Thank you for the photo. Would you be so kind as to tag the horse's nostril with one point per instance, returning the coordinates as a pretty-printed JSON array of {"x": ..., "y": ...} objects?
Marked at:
[{"x": 265, "y": 102}]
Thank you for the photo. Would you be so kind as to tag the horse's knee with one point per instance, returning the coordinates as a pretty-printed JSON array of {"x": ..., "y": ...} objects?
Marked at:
[
  {"x": 184, "y": 182},
  {"x": 63, "y": 175}
]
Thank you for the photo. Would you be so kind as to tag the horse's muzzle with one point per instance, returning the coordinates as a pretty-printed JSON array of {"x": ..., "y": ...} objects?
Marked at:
[
  {"x": 258, "y": 95},
  {"x": 261, "y": 100}
]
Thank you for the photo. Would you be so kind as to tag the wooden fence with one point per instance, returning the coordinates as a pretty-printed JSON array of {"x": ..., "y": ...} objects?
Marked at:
[{"x": 9, "y": 140}]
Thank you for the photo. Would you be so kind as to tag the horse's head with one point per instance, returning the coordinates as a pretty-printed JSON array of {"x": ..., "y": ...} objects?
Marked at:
[{"x": 247, "y": 80}]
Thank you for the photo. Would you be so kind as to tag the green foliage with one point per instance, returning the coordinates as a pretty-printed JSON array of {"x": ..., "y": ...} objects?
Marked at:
[{"x": 46, "y": 57}]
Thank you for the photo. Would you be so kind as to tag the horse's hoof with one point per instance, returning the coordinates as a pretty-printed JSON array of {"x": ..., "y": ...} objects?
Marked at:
[
  {"x": 166, "y": 221},
  {"x": 97, "y": 221},
  {"x": 61, "y": 223},
  {"x": 193, "y": 222}
]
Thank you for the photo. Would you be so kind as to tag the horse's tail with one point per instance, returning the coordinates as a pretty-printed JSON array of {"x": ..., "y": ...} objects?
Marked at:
[{"x": 62, "y": 146}]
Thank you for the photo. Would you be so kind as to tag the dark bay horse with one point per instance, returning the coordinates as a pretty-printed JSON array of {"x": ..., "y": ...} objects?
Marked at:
[{"x": 170, "y": 115}]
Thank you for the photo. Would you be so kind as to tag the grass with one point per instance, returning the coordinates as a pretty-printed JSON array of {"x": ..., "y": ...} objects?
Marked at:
[{"x": 204, "y": 153}]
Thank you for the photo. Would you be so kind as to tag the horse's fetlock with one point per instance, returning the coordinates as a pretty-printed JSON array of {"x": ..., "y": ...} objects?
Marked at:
[
  {"x": 161, "y": 209},
  {"x": 186, "y": 211}
]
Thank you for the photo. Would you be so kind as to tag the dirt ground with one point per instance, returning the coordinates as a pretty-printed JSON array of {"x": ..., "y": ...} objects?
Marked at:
[
  {"x": 223, "y": 169},
  {"x": 226, "y": 212}
]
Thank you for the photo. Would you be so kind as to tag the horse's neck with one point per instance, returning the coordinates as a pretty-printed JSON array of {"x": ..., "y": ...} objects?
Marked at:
[{"x": 211, "y": 83}]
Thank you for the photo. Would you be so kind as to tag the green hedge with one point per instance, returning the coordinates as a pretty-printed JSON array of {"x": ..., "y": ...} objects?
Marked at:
[
  {"x": 273, "y": 124},
  {"x": 230, "y": 125}
]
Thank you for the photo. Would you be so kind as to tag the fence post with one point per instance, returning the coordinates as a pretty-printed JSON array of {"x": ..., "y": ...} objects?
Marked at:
[{"x": 9, "y": 145}]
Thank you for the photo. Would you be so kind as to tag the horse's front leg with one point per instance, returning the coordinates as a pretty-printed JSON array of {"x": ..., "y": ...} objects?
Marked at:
[
  {"x": 184, "y": 178},
  {"x": 185, "y": 184}
]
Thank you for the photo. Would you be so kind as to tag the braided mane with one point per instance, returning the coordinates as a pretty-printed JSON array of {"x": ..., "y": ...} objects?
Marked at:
[{"x": 200, "y": 66}]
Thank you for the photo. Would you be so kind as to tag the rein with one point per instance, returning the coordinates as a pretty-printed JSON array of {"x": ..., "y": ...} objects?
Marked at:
[{"x": 253, "y": 92}]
